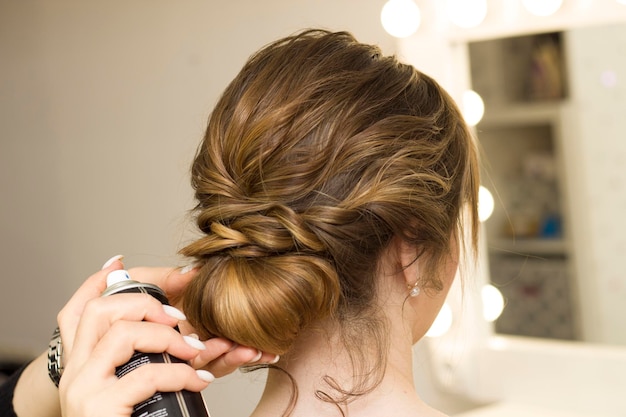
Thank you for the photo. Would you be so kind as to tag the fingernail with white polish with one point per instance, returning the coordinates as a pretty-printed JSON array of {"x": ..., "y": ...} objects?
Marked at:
[
  {"x": 113, "y": 259},
  {"x": 187, "y": 268},
  {"x": 206, "y": 376},
  {"x": 276, "y": 359},
  {"x": 174, "y": 312},
  {"x": 257, "y": 357},
  {"x": 194, "y": 343}
]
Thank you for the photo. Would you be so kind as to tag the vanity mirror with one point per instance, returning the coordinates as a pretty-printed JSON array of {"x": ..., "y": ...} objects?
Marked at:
[
  {"x": 554, "y": 151},
  {"x": 552, "y": 138},
  {"x": 553, "y": 142},
  {"x": 523, "y": 82},
  {"x": 554, "y": 93}
]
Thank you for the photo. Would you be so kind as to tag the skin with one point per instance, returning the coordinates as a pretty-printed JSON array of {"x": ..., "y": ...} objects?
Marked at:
[
  {"x": 98, "y": 332},
  {"x": 409, "y": 320},
  {"x": 101, "y": 333}
]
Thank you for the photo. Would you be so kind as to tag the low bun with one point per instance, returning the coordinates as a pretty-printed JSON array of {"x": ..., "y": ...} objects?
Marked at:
[
  {"x": 264, "y": 274},
  {"x": 317, "y": 156},
  {"x": 262, "y": 302}
]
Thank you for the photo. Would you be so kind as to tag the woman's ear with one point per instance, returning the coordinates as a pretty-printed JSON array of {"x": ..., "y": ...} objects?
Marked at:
[{"x": 407, "y": 255}]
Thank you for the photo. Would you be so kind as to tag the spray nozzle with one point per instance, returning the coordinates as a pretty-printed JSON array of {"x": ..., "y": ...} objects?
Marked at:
[{"x": 117, "y": 276}]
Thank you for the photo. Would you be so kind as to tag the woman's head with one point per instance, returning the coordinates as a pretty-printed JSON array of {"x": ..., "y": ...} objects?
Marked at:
[{"x": 316, "y": 156}]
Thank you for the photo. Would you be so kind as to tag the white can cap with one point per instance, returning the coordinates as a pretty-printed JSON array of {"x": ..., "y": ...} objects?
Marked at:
[{"x": 117, "y": 276}]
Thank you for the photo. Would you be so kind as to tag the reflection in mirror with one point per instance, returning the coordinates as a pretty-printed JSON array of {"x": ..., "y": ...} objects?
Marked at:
[
  {"x": 522, "y": 82},
  {"x": 537, "y": 108}
]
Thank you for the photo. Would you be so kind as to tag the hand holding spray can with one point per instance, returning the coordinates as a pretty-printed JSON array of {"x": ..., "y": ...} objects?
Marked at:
[{"x": 161, "y": 404}]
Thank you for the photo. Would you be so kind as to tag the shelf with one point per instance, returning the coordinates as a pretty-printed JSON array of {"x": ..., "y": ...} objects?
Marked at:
[
  {"x": 530, "y": 113},
  {"x": 528, "y": 246}
]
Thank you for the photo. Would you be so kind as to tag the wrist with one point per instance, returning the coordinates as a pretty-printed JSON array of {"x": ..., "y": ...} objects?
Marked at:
[
  {"x": 55, "y": 357},
  {"x": 35, "y": 383}
]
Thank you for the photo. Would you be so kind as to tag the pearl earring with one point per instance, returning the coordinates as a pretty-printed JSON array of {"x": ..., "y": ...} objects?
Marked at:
[{"x": 414, "y": 290}]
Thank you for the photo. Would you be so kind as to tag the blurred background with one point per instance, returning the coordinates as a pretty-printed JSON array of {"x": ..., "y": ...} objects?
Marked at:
[{"x": 102, "y": 105}]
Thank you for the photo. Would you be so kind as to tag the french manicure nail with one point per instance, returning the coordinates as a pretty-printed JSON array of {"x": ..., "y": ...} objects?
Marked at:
[
  {"x": 174, "y": 312},
  {"x": 113, "y": 259},
  {"x": 257, "y": 357},
  {"x": 187, "y": 268},
  {"x": 206, "y": 376},
  {"x": 194, "y": 343},
  {"x": 276, "y": 359}
]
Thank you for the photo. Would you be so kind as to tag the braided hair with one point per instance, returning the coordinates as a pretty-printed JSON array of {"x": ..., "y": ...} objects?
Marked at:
[{"x": 317, "y": 154}]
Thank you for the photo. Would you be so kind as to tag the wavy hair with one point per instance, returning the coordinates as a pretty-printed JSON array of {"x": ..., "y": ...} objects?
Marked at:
[{"x": 317, "y": 154}]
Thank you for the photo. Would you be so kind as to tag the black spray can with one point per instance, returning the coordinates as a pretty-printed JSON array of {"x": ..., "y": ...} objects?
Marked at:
[{"x": 162, "y": 404}]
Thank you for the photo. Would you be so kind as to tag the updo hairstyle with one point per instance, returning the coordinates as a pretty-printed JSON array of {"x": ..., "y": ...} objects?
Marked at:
[{"x": 317, "y": 154}]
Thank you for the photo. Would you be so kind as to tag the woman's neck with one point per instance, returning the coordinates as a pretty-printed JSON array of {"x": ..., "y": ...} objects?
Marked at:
[{"x": 319, "y": 360}]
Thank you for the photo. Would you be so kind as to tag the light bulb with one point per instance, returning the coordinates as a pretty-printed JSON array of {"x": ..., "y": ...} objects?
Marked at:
[
  {"x": 442, "y": 323},
  {"x": 493, "y": 302},
  {"x": 485, "y": 203},
  {"x": 467, "y": 13},
  {"x": 542, "y": 7},
  {"x": 473, "y": 107},
  {"x": 608, "y": 78},
  {"x": 400, "y": 18}
]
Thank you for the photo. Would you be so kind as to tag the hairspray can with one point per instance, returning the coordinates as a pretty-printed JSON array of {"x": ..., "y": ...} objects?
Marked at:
[{"x": 161, "y": 404}]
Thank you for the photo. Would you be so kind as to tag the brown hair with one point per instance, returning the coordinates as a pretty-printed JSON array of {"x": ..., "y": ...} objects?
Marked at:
[{"x": 318, "y": 153}]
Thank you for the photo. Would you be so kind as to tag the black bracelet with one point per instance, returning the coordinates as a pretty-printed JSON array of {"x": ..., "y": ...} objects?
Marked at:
[{"x": 55, "y": 357}]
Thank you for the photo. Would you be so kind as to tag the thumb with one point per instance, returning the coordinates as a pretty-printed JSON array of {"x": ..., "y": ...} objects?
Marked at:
[
  {"x": 70, "y": 314},
  {"x": 171, "y": 280}
]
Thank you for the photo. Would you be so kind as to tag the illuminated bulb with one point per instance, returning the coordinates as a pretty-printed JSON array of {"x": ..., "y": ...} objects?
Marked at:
[
  {"x": 542, "y": 7},
  {"x": 485, "y": 203},
  {"x": 442, "y": 323},
  {"x": 473, "y": 107},
  {"x": 608, "y": 78},
  {"x": 400, "y": 18},
  {"x": 493, "y": 302},
  {"x": 467, "y": 13}
]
